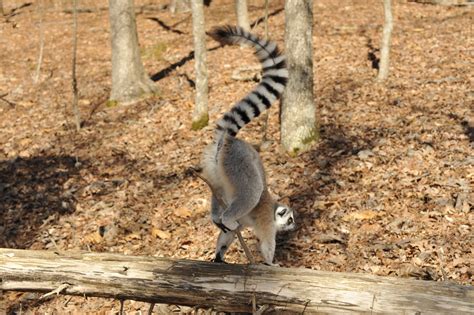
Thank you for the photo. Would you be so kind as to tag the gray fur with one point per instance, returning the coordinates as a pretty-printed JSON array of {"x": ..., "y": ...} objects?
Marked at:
[{"x": 233, "y": 167}]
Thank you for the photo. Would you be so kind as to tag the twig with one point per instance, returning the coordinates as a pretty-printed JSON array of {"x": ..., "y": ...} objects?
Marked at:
[
  {"x": 54, "y": 243},
  {"x": 266, "y": 115},
  {"x": 122, "y": 302},
  {"x": 150, "y": 310},
  {"x": 220, "y": 201},
  {"x": 56, "y": 291},
  {"x": 68, "y": 300},
  {"x": 2, "y": 98},
  {"x": 13, "y": 12},
  {"x": 121, "y": 307},
  {"x": 247, "y": 251},
  {"x": 262, "y": 309}
]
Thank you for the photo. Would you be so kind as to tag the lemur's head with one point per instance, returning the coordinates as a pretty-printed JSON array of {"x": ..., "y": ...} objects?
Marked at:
[{"x": 284, "y": 218}]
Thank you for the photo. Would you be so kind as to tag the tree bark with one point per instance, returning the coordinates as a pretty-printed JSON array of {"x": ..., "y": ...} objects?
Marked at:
[
  {"x": 129, "y": 80},
  {"x": 75, "y": 91},
  {"x": 298, "y": 113},
  {"x": 200, "y": 114},
  {"x": 40, "y": 6},
  {"x": 242, "y": 14},
  {"x": 226, "y": 287},
  {"x": 177, "y": 6},
  {"x": 386, "y": 39}
]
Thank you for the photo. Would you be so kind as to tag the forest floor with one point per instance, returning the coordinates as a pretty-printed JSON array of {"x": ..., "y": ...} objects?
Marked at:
[{"x": 388, "y": 190}]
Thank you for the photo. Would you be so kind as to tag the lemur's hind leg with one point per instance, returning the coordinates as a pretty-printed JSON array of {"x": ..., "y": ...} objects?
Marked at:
[
  {"x": 224, "y": 241},
  {"x": 243, "y": 169}
]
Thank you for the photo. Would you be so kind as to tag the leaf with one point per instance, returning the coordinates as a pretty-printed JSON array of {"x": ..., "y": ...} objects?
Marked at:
[
  {"x": 133, "y": 236},
  {"x": 361, "y": 215},
  {"x": 164, "y": 235},
  {"x": 93, "y": 238},
  {"x": 183, "y": 212}
]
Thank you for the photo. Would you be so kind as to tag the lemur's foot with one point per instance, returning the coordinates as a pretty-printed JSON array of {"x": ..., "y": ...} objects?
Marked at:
[
  {"x": 218, "y": 259},
  {"x": 271, "y": 264}
]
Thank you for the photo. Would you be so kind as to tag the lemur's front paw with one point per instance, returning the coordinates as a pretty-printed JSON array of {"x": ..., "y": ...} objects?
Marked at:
[{"x": 230, "y": 224}]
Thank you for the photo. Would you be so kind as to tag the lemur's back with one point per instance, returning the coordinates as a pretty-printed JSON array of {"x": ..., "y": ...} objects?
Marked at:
[{"x": 232, "y": 156}]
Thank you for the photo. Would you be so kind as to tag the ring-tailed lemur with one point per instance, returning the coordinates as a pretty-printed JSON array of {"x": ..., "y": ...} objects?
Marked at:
[{"x": 233, "y": 167}]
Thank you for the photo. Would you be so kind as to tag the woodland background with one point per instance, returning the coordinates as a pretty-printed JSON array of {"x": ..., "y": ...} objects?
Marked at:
[{"x": 387, "y": 190}]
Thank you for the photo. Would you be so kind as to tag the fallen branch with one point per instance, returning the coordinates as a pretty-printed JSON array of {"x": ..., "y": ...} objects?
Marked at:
[
  {"x": 226, "y": 287},
  {"x": 56, "y": 291}
]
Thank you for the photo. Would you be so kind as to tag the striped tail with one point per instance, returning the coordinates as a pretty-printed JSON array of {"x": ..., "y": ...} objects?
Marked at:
[{"x": 274, "y": 78}]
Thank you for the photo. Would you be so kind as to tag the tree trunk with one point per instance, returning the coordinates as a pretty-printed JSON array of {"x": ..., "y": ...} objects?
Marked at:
[
  {"x": 242, "y": 14},
  {"x": 40, "y": 6},
  {"x": 226, "y": 287},
  {"x": 200, "y": 114},
  {"x": 75, "y": 91},
  {"x": 129, "y": 80},
  {"x": 177, "y": 6},
  {"x": 299, "y": 128},
  {"x": 386, "y": 39}
]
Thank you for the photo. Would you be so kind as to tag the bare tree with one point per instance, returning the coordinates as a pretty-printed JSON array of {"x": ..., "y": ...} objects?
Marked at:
[
  {"x": 200, "y": 114},
  {"x": 179, "y": 6},
  {"x": 41, "y": 44},
  {"x": 129, "y": 80},
  {"x": 386, "y": 39},
  {"x": 298, "y": 113},
  {"x": 266, "y": 114},
  {"x": 242, "y": 14},
  {"x": 75, "y": 91}
]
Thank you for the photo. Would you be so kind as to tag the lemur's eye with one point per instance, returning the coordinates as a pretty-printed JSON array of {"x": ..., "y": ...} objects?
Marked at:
[
  {"x": 290, "y": 221},
  {"x": 282, "y": 212}
]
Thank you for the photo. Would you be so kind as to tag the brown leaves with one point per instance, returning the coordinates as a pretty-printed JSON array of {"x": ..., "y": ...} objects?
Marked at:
[
  {"x": 164, "y": 235},
  {"x": 361, "y": 215},
  {"x": 183, "y": 212},
  {"x": 388, "y": 190}
]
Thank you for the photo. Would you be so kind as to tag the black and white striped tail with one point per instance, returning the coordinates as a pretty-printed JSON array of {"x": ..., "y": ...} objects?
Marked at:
[{"x": 274, "y": 78}]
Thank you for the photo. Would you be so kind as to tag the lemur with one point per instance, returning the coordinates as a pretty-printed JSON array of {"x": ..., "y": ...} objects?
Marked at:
[{"x": 233, "y": 167}]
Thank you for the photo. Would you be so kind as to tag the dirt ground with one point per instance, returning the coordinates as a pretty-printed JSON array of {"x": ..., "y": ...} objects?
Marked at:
[{"x": 387, "y": 190}]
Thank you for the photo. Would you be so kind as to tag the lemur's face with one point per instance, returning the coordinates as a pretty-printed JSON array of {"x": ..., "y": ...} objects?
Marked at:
[{"x": 284, "y": 218}]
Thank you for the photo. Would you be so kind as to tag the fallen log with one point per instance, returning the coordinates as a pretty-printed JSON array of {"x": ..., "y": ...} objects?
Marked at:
[{"x": 225, "y": 287}]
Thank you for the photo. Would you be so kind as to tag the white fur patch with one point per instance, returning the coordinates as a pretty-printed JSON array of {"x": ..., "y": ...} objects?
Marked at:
[{"x": 284, "y": 219}]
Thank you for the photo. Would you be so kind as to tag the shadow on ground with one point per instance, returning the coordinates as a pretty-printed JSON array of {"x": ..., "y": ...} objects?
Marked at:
[{"x": 32, "y": 193}]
